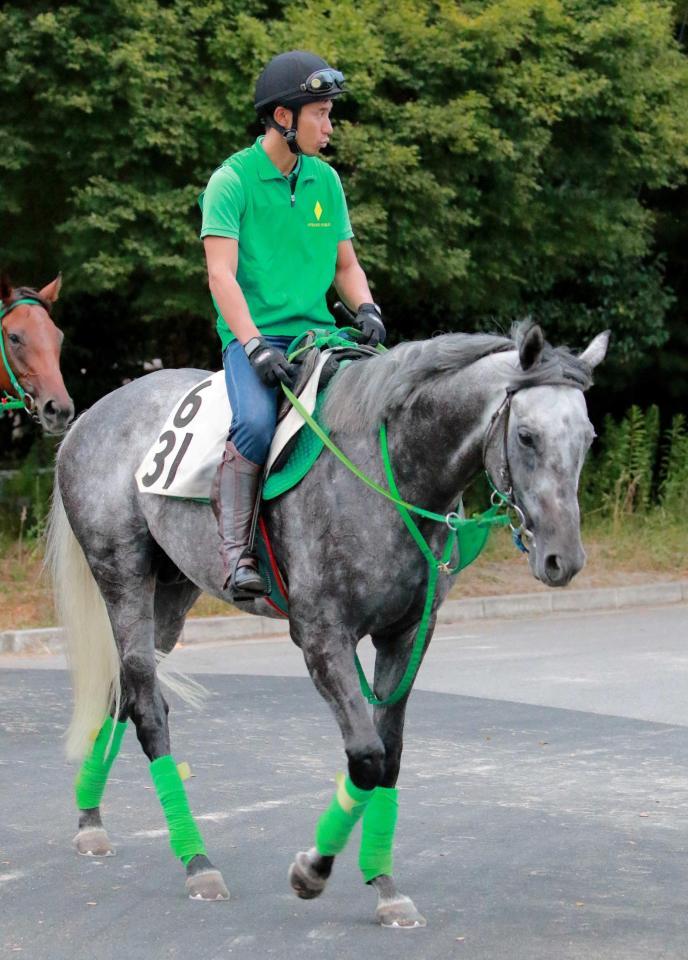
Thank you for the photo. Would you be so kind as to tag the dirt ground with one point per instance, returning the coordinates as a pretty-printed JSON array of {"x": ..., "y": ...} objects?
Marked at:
[{"x": 632, "y": 555}]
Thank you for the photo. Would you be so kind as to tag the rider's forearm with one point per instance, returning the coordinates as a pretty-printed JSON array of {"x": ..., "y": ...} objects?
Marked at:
[
  {"x": 352, "y": 286},
  {"x": 232, "y": 305}
]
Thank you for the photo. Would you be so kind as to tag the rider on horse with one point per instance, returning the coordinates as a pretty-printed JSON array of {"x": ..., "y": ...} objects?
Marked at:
[{"x": 276, "y": 233}]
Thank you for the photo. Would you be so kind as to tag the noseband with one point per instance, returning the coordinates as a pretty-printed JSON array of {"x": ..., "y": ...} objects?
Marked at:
[{"x": 23, "y": 400}]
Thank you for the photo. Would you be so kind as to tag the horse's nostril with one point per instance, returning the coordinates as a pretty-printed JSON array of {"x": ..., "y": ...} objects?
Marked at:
[
  {"x": 553, "y": 566},
  {"x": 53, "y": 411}
]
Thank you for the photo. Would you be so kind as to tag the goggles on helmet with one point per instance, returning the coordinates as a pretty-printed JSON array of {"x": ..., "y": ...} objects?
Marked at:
[{"x": 323, "y": 81}]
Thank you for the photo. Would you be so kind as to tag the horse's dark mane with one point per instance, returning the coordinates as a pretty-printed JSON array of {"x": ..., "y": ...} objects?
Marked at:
[
  {"x": 367, "y": 393},
  {"x": 19, "y": 293}
]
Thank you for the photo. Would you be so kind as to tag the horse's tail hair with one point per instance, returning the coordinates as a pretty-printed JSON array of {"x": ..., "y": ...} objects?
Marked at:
[
  {"x": 90, "y": 645},
  {"x": 174, "y": 680}
]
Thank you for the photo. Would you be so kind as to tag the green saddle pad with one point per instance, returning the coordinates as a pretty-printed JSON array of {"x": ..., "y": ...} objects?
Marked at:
[{"x": 307, "y": 449}]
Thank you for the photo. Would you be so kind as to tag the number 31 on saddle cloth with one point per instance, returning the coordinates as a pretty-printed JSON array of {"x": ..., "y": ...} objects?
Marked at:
[{"x": 183, "y": 460}]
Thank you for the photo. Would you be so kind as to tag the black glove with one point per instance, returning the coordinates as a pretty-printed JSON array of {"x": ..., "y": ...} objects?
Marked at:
[
  {"x": 369, "y": 321},
  {"x": 269, "y": 363}
]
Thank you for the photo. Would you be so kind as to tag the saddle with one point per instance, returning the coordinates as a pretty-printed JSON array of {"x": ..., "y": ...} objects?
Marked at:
[{"x": 183, "y": 460}]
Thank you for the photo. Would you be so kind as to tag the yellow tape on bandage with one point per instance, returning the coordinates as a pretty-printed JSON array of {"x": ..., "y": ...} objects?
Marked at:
[
  {"x": 184, "y": 770},
  {"x": 346, "y": 802}
]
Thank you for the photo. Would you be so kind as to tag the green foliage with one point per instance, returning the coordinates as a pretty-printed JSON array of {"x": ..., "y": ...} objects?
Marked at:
[
  {"x": 25, "y": 495},
  {"x": 633, "y": 471},
  {"x": 124, "y": 108},
  {"x": 497, "y": 154},
  {"x": 499, "y": 157},
  {"x": 673, "y": 484}
]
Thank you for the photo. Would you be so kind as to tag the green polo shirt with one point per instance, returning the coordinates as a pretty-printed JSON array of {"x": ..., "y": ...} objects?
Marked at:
[{"x": 287, "y": 240}]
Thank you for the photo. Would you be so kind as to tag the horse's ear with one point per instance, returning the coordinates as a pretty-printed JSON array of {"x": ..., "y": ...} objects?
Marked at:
[
  {"x": 596, "y": 350},
  {"x": 5, "y": 289},
  {"x": 531, "y": 347},
  {"x": 52, "y": 291}
]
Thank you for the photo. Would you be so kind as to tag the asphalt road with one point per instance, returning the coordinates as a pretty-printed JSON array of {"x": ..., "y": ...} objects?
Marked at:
[{"x": 544, "y": 805}]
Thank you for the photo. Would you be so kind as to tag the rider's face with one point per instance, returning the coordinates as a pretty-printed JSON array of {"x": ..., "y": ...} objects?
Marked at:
[{"x": 314, "y": 128}]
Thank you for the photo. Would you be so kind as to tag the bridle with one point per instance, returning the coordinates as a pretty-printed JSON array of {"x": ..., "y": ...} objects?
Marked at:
[
  {"x": 23, "y": 400},
  {"x": 503, "y": 487}
]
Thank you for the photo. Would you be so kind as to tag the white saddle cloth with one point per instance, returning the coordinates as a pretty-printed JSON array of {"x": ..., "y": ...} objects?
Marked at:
[{"x": 183, "y": 460}]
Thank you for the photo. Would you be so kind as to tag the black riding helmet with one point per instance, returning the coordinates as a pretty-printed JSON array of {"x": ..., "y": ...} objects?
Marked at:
[{"x": 291, "y": 80}]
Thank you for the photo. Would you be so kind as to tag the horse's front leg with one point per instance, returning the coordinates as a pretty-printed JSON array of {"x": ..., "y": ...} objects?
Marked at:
[
  {"x": 329, "y": 655},
  {"x": 394, "y": 909}
]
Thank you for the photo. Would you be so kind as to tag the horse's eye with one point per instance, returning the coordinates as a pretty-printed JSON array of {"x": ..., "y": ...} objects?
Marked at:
[
  {"x": 526, "y": 438},
  {"x": 13, "y": 338}
]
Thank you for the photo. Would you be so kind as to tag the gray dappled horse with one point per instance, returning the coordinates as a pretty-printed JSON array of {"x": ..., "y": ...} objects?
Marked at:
[{"x": 128, "y": 566}]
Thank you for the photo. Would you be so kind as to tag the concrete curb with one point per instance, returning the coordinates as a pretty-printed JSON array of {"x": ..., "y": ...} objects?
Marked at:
[{"x": 508, "y": 606}]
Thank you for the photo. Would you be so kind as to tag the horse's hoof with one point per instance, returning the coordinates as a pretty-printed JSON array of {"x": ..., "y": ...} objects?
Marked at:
[
  {"x": 207, "y": 885},
  {"x": 93, "y": 842},
  {"x": 399, "y": 913},
  {"x": 305, "y": 882}
]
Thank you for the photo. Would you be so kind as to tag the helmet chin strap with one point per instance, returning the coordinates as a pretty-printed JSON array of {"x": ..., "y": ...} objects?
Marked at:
[{"x": 288, "y": 133}]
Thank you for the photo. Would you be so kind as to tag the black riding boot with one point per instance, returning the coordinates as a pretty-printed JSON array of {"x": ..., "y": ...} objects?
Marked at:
[{"x": 233, "y": 499}]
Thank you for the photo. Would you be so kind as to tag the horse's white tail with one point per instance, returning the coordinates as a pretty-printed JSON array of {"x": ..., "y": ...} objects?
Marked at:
[
  {"x": 90, "y": 645},
  {"x": 176, "y": 681},
  {"x": 91, "y": 649}
]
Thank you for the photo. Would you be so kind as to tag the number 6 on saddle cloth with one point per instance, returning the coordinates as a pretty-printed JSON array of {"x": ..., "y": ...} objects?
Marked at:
[{"x": 183, "y": 460}]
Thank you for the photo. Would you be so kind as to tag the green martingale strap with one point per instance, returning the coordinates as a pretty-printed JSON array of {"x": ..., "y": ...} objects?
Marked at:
[
  {"x": 467, "y": 536},
  {"x": 414, "y": 660},
  {"x": 336, "y": 823},
  {"x": 90, "y": 782},
  {"x": 377, "y": 841},
  {"x": 185, "y": 838}
]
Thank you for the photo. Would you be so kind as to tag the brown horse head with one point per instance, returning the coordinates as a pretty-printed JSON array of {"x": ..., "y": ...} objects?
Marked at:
[{"x": 32, "y": 346}]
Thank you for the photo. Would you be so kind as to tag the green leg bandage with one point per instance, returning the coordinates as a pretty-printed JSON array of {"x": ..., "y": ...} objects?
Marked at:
[
  {"x": 91, "y": 780},
  {"x": 337, "y": 822},
  {"x": 185, "y": 838},
  {"x": 377, "y": 840}
]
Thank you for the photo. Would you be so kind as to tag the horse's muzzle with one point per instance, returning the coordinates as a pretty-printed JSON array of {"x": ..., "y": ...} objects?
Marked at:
[
  {"x": 55, "y": 416},
  {"x": 558, "y": 570}
]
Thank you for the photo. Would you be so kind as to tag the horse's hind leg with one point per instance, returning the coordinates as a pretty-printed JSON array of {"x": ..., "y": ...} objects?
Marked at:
[
  {"x": 132, "y": 616},
  {"x": 92, "y": 839},
  {"x": 174, "y": 597}
]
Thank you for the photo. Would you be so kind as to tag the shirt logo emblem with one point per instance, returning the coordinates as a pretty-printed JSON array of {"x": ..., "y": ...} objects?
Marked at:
[{"x": 317, "y": 213}]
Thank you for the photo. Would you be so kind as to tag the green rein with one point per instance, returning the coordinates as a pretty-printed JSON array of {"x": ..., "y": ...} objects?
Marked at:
[{"x": 467, "y": 536}]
